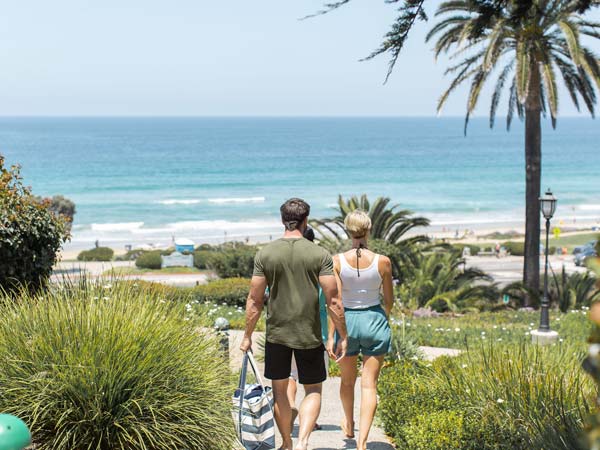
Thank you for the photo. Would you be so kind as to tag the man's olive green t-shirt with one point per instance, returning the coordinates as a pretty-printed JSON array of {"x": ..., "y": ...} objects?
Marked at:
[{"x": 292, "y": 268}]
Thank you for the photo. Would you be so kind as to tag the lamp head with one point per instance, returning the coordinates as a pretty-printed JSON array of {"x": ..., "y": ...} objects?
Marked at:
[{"x": 548, "y": 204}]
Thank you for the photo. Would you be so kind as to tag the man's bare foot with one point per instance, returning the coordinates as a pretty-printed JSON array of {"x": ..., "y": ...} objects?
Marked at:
[
  {"x": 347, "y": 430},
  {"x": 289, "y": 445}
]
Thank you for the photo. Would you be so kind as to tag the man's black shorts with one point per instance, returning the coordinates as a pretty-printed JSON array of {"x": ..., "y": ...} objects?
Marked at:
[{"x": 310, "y": 363}]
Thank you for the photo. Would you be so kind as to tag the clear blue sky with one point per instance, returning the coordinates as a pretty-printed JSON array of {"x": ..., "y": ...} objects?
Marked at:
[{"x": 200, "y": 57}]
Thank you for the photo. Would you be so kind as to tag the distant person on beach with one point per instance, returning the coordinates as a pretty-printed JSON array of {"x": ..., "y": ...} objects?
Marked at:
[
  {"x": 293, "y": 384},
  {"x": 293, "y": 268},
  {"x": 362, "y": 275}
]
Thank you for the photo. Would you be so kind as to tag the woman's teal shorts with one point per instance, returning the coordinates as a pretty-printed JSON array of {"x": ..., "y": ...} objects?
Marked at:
[{"x": 368, "y": 331}]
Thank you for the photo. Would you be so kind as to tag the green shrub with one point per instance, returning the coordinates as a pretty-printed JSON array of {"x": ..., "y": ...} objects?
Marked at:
[
  {"x": 201, "y": 258},
  {"x": 474, "y": 249},
  {"x": 96, "y": 254},
  {"x": 92, "y": 367},
  {"x": 515, "y": 248},
  {"x": 513, "y": 397},
  {"x": 149, "y": 260},
  {"x": 131, "y": 255},
  {"x": 231, "y": 291},
  {"x": 232, "y": 260},
  {"x": 30, "y": 234}
]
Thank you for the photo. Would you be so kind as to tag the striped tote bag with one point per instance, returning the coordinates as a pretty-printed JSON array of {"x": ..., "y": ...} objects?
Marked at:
[{"x": 253, "y": 410}]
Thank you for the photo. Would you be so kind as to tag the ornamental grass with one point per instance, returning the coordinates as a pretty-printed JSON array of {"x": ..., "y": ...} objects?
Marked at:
[{"x": 112, "y": 366}]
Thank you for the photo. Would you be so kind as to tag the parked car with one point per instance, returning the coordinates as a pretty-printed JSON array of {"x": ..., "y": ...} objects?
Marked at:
[
  {"x": 581, "y": 248},
  {"x": 585, "y": 254}
]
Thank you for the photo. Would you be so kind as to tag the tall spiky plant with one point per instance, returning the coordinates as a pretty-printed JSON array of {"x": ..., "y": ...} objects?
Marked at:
[{"x": 526, "y": 52}]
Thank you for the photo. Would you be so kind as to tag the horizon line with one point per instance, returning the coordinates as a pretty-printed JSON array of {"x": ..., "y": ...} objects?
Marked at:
[{"x": 254, "y": 116}]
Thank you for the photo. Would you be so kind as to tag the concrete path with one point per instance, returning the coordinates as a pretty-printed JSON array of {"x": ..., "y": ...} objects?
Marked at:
[{"x": 331, "y": 437}]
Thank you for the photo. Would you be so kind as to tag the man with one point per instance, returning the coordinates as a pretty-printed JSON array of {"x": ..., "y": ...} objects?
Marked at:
[{"x": 293, "y": 268}]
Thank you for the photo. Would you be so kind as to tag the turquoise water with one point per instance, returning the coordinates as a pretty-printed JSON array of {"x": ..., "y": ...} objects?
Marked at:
[{"x": 148, "y": 179}]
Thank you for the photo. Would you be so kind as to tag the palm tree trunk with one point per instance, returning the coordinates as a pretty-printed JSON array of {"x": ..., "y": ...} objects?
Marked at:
[{"x": 533, "y": 175}]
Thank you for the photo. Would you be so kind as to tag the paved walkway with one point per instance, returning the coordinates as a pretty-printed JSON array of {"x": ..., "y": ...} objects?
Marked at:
[{"x": 331, "y": 437}]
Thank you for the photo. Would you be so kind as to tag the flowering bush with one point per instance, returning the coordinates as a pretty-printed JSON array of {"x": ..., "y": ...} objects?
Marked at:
[
  {"x": 496, "y": 397},
  {"x": 30, "y": 234},
  {"x": 231, "y": 291}
]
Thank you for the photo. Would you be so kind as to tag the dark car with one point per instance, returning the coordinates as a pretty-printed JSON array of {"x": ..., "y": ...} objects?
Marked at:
[
  {"x": 581, "y": 248},
  {"x": 584, "y": 254}
]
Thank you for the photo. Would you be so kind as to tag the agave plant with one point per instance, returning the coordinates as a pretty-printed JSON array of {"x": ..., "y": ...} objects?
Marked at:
[
  {"x": 441, "y": 281},
  {"x": 573, "y": 291}
]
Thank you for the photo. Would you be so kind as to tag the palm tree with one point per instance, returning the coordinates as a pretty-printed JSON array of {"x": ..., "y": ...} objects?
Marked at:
[
  {"x": 388, "y": 222},
  {"x": 525, "y": 51},
  {"x": 388, "y": 228}
]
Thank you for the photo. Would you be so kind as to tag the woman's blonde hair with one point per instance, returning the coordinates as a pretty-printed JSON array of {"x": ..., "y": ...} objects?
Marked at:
[{"x": 358, "y": 223}]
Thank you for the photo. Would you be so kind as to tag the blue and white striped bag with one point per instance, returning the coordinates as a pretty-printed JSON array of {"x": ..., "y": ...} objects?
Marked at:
[{"x": 253, "y": 410}]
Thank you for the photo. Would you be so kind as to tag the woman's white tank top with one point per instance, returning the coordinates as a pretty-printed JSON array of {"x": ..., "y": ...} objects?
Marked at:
[{"x": 360, "y": 292}]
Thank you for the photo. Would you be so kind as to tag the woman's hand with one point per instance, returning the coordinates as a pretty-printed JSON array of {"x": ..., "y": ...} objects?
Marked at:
[{"x": 329, "y": 346}]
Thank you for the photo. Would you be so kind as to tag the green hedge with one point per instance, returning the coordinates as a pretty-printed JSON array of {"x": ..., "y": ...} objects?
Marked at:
[
  {"x": 475, "y": 249},
  {"x": 201, "y": 258},
  {"x": 149, "y": 260},
  {"x": 515, "y": 248},
  {"x": 113, "y": 367},
  {"x": 232, "y": 291},
  {"x": 96, "y": 254},
  {"x": 232, "y": 260},
  {"x": 502, "y": 398}
]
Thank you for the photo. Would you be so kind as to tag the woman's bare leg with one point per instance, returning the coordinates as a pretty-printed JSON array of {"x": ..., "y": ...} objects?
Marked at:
[
  {"x": 368, "y": 401},
  {"x": 348, "y": 380}
]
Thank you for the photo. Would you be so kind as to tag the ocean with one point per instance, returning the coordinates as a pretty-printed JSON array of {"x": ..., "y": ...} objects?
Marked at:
[{"x": 147, "y": 180}]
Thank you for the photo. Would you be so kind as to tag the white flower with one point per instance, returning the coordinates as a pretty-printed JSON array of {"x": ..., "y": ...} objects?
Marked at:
[
  {"x": 499, "y": 339},
  {"x": 561, "y": 340},
  {"x": 499, "y": 401},
  {"x": 482, "y": 337},
  {"x": 107, "y": 286},
  {"x": 464, "y": 366},
  {"x": 503, "y": 328},
  {"x": 106, "y": 298},
  {"x": 415, "y": 358},
  {"x": 483, "y": 333},
  {"x": 428, "y": 324},
  {"x": 495, "y": 326},
  {"x": 457, "y": 329},
  {"x": 527, "y": 333},
  {"x": 230, "y": 313},
  {"x": 531, "y": 324}
]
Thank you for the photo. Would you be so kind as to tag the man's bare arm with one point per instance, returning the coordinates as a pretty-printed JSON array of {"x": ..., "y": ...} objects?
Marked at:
[
  {"x": 254, "y": 306},
  {"x": 335, "y": 308}
]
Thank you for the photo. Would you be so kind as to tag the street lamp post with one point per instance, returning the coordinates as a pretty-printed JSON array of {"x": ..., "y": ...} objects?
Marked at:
[{"x": 544, "y": 334}]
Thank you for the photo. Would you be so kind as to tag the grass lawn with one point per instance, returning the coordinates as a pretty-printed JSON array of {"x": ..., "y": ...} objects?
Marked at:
[
  {"x": 573, "y": 240},
  {"x": 504, "y": 327}
]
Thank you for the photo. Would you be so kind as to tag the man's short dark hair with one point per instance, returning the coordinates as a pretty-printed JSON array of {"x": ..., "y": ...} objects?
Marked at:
[{"x": 293, "y": 213}]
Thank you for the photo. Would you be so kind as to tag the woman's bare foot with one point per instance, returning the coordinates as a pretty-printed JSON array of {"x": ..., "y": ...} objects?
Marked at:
[
  {"x": 294, "y": 415},
  {"x": 347, "y": 430}
]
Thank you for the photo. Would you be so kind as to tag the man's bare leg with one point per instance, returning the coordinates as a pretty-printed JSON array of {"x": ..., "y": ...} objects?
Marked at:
[
  {"x": 283, "y": 412},
  {"x": 310, "y": 408}
]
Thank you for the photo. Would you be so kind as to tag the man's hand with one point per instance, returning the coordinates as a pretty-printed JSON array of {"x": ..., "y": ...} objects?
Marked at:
[
  {"x": 329, "y": 347},
  {"x": 340, "y": 351},
  {"x": 246, "y": 344}
]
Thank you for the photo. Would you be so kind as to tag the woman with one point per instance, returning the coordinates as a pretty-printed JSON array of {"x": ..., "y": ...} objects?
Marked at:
[{"x": 362, "y": 275}]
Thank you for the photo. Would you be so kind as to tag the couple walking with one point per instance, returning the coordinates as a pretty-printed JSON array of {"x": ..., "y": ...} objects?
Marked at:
[{"x": 297, "y": 273}]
